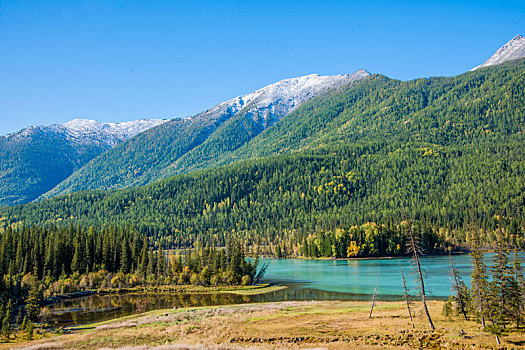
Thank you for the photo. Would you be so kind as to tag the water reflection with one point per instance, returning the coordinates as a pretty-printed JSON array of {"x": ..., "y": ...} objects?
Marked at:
[
  {"x": 307, "y": 280},
  {"x": 96, "y": 308}
]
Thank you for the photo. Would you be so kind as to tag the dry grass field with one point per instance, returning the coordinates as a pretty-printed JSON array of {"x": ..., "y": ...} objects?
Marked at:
[{"x": 284, "y": 325}]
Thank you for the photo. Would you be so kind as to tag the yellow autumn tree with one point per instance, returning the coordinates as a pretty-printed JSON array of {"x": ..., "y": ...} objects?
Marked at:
[{"x": 352, "y": 250}]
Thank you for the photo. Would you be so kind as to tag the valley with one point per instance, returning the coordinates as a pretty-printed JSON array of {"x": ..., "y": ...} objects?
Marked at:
[{"x": 302, "y": 201}]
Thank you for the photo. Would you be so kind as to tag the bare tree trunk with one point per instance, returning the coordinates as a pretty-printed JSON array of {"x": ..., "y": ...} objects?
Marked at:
[
  {"x": 413, "y": 247},
  {"x": 455, "y": 275},
  {"x": 374, "y": 298},
  {"x": 407, "y": 298}
]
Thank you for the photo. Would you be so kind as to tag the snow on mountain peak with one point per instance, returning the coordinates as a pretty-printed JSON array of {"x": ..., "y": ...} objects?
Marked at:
[
  {"x": 119, "y": 130},
  {"x": 272, "y": 102},
  {"x": 87, "y": 130},
  {"x": 512, "y": 50}
]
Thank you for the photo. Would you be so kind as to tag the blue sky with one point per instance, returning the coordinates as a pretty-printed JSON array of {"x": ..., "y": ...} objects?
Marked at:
[{"x": 125, "y": 60}]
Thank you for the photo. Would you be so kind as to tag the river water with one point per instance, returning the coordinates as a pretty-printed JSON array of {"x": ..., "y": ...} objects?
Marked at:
[{"x": 306, "y": 279}]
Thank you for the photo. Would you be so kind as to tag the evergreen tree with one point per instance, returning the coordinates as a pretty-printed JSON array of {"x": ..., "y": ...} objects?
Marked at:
[
  {"x": 479, "y": 281},
  {"x": 516, "y": 292},
  {"x": 501, "y": 285},
  {"x": 29, "y": 330}
]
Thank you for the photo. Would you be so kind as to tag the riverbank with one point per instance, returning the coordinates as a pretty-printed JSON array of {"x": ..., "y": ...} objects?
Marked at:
[
  {"x": 186, "y": 289},
  {"x": 328, "y": 258},
  {"x": 319, "y": 324}
]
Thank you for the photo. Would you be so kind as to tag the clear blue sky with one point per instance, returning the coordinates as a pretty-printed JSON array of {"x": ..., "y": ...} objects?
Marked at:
[{"x": 125, "y": 60}]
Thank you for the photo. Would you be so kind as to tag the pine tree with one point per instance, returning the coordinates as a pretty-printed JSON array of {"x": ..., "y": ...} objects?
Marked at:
[
  {"x": 125, "y": 263},
  {"x": 76, "y": 262},
  {"x": 24, "y": 323},
  {"x": 516, "y": 294},
  {"x": 479, "y": 281},
  {"x": 144, "y": 261},
  {"x": 500, "y": 287},
  {"x": 6, "y": 322},
  {"x": 29, "y": 330},
  {"x": 34, "y": 299}
]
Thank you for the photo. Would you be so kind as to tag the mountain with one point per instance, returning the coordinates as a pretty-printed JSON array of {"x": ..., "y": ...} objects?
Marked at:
[
  {"x": 110, "y": 134},
  {"x": 447, "y": 151},
  {"x": 512, "y": 50},
  {"x": 197, "y": 142},
  {"x": 37, "y": 158}
]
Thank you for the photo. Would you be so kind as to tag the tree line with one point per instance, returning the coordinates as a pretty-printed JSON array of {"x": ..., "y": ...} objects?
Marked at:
[{"x": 37, "y": 263}]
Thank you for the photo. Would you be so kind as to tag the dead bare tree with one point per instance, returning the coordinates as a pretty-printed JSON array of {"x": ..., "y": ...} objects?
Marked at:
[
  {"x": 414, "y": 248},
  {"x": 457, "y": 287},
  {"x": 407, "y": 298},
  {"x": 374, "y": 297}
]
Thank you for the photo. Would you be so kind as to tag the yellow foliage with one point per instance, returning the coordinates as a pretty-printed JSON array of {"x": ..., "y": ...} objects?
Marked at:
[{"x": 352, "y": 250}]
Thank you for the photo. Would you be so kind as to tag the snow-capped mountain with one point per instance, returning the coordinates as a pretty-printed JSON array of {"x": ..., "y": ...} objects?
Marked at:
[
  {"x": 88, "y": 130},
  {"x": 111, "y": 133},
  {"x": 275, "y": 101},
  {"x": 512, "y": 50},
  {"x": 199, "y": 141},
  {"x": 35, "y": 159}
]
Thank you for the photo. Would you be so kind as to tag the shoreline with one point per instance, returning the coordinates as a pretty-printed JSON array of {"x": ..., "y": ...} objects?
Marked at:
[
  {"x": 322, "y": 258},
  {"x": 258, "y": 289},
  {"x": 288, "y": 324}
]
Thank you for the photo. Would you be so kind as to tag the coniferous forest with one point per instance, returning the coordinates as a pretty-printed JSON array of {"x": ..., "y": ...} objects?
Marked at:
[
  {"x": 446, "y": 152},
  {"x": 39, "y": 263}
]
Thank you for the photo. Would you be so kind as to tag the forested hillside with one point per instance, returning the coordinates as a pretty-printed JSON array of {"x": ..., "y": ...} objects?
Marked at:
[
  {"x": 475, "y": 106},
  {"x": 33, "y": 164},
  {"x": 34, "y": 160},
  {"x": 197, "y": 142},
  {"x": 450, "y": 150},
  {"x": 140, "y": 160}
]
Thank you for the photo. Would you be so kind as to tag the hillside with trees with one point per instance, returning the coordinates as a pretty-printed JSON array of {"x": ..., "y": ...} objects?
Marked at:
[{"x": 450, "y": 150}]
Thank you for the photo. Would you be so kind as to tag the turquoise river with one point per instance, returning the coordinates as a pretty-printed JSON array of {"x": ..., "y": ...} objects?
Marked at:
[{"x": 306, "y": 280}]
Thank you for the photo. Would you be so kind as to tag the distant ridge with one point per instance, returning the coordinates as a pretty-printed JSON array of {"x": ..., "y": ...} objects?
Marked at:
[
  {"x": 35, "y": 159},
  {"x": 512, "y": 50}
]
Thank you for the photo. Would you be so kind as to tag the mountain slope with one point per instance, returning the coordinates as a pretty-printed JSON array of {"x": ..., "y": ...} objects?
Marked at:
[
  {"x": 450, "y": 149},
  {"x": 512, "y": 50},
  {"x": 35, "y": 159},
  {"x": 417, "y": 110},
  {"x": 197, "y": 142}
]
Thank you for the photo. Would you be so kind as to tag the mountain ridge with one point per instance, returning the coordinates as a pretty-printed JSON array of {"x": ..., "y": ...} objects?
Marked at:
[
  {"x": 190, "y": 143},
  {"x": 222, "y": 134},
  {"x": 449, "y": 151},
  {"x": 512, "y": 50},
  {"x": 35, "y": 159}
]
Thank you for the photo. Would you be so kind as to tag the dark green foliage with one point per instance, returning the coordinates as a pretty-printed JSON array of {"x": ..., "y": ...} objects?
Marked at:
[
  {"x": 481, "y": 108},
  {"x": 371, "y": 240},
  {"x": 498, "y": 297},
  {"x": 466, "y": 109},
  {"x": 516, "y": 292},
  {"x": 450, "y": 148},
  {"x": 266, "y": 200},
  {"x": 479, "y": 282},
  {"x": 42, "y": 262},
  {"x": 29, "y": 330},
  {"x": 142, "y": 159},
  {"x": 500, "y": 286},
  {"x": 33, "y": 164}
]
